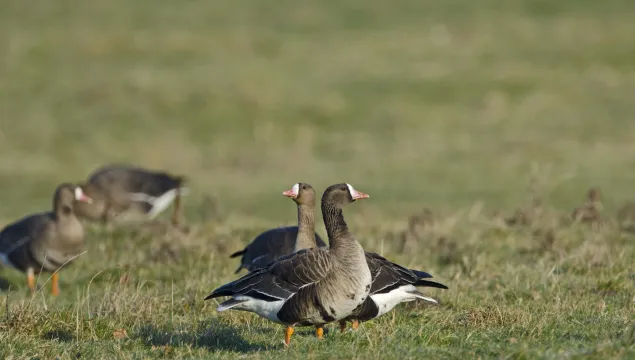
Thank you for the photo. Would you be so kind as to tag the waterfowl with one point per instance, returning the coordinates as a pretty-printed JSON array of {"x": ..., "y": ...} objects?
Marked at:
[
  {"x": 120, "y": 188},
  {"x": 46, "y": 241},
  {"x": 304, "y": 196},
  {"x": 269, "y": 246},
  {"x": 392, "y": 283},
  {"x": 312, "y": 286}
]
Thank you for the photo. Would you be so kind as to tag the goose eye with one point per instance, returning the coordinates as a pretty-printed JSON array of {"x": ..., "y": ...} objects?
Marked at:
[{"x": 303, "y": 187}]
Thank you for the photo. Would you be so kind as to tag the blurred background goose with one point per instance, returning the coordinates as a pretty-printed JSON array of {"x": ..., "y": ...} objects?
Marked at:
[
  {"x": 46, "y": 241},
  {"x": 119, "y": 189}
]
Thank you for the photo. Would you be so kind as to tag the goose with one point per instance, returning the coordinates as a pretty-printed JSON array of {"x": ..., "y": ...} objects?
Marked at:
[
  {"x": 312, "y": 286},
  {"x": 119, "y": 188},
  {"x": 45, "y": 241},
  {"x": 269, "y": 246},
  {"x": 392, "y": 284}
]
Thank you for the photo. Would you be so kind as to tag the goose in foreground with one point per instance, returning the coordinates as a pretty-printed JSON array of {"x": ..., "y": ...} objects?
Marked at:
[
  {"x": 269, "y": 246},
  {"x": 45, "y": 241},
  {"x": 120, "y": 188},
  {"x": 313, "y": 286},
  {"x": 392, "y": 284}
]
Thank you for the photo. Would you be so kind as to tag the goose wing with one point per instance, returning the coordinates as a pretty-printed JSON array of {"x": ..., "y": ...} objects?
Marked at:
[
  {"x": 388, "y": 276},
  {"x": 281, "y": 279}
]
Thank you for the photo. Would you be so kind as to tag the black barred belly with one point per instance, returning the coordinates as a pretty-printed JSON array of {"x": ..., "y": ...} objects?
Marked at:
[
  {"x": 305, "y": 309},
  {"x": 368, "y": 310},
  {"x": 22, "y": 259}
]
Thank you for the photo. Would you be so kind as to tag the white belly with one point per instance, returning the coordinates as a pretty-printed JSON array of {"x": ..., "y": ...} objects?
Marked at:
[{"x": 266, "y": 309}]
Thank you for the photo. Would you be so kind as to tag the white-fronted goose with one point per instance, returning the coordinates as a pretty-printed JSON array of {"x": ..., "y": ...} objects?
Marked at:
[
  {"x": 313, "y": 286},
  {"x": 120, "y": 188},
  {"x": 269, "y": 246},
  {"x": 45, "y": 241},
  {"x": 392, "y": 284},
  {"x": 304, "y": 197}
]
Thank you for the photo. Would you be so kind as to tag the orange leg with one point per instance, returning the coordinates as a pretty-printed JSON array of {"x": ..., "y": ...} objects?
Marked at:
[
  {"x": 55, "y": 290},
  {"x": 30, "y": 280},
  {"x": 342, "y": 326},
  {"x": 355, "y": 324},
  {"x": 287, "y": 335},
  {"x": 319, "y": 331},
  {"x": 177, "y": 208}
]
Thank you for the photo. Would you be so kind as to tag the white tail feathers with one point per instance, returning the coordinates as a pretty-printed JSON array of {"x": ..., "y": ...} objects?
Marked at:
[
  {"x": 419, "y": 295},
  {"x": 226, "y": 305},
  {"x": 159, "y": 203}
]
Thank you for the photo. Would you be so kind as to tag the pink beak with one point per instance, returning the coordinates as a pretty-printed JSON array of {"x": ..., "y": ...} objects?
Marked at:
[
  {"x": 290, "y": 193},
  {"x": 86, "y": 199},
  {"x": 359, "y": 195}
]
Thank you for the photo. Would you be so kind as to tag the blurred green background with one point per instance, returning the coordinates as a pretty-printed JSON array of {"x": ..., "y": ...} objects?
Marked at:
[{"x": 417, "y": 102}]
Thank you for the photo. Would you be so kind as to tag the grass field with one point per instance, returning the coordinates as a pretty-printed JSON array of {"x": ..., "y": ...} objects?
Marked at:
[{"x": 464, "y": 107}]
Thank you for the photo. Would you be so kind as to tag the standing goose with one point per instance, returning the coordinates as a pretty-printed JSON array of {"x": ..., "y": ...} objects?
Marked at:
[
  {"x": 119, "y": 188},
  {"x": 45, "y": 241},
  {"x": 391, "y": 283},
  {"x": 269, "y": 246},
  {"x": 313, "y": 286},
  {"x": 304, "y": 196}
]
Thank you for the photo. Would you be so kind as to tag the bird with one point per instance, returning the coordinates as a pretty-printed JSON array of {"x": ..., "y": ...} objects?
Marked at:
[
  {"x": 121, "y": 188},
  {"x": 312, "y": 286},
  {"x": 48, "y": 240},
  {"x": 269, "y": 246},
  {"x": 392, "y": 283}
]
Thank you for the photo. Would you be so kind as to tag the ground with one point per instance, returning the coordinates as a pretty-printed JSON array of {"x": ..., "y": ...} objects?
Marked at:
[{"x": 467, "y": 108}]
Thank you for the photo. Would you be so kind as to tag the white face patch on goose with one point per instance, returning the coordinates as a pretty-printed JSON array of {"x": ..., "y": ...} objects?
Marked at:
[
  {"x": 80, "y": 196},
  {"x": 78, "y": 193},
  {"x": 296, "y": 189}
]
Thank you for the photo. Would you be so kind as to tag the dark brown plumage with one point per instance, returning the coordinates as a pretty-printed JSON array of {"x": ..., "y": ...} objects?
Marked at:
[
  {"x": 45, "y": 241},
  {"x": 268, "y": 247},
  {"x": 121, "y": 188},
  {"x": 313, "y": 286}
]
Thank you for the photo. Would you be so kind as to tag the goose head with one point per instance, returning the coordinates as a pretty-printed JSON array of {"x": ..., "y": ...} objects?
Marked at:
[
  {"x": 302, "y": 194},
  {"x": 65, "y": 196},
  {"x": 342, "y": 194}
]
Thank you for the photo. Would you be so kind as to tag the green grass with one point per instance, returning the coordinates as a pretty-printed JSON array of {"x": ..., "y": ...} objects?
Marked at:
[{"x": 455, "y": 105}]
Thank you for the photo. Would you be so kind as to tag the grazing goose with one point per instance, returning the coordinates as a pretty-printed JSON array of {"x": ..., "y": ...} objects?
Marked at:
[
  {"x": 392, "y": 284},
  {"x": 269, "y": 246},
  {"x": 119, "y": 188},
  {"x": 313, "y": 286},
  {"x": 45, "y": 241}
]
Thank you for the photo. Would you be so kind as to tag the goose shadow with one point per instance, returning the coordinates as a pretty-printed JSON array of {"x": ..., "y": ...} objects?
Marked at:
[{"x": 213, "y": 336}]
